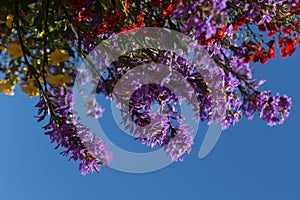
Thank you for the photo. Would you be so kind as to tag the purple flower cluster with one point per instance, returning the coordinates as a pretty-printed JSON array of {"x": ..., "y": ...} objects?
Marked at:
[
  {"x": 209, "y": 23},
  {"x": 226, "y": 31},
  {"x": 63, "y": 129},
  {"x": 242, "y": 97},
  {"x": 202, "y": 16},
  {"x": 180, "y": 144},
  {"x": 164, "y": 127},
  {"x": 273, "y": 109},
  {"x": 254, "y": 9},
  {"x": 206, "y": 18},
  {"x": 94, "y": 110}
]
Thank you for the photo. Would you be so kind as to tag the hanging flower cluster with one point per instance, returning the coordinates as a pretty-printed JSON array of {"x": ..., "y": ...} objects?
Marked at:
[{"x": 41, "y": 42}]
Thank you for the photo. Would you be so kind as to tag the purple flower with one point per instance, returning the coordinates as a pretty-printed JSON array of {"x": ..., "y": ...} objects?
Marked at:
[
  {"x": 63, "y": 129},
  {"x": 94, "y": 110},
  {"x": 265, "y": 18},
  {"x": 214, "y": 11},
  {"x": 231, "y": 82},
  {"x": 180, "y": 143}
]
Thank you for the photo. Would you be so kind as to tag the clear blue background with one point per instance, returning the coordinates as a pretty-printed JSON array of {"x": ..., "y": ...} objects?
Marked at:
[{"x": 250, "y": 161}]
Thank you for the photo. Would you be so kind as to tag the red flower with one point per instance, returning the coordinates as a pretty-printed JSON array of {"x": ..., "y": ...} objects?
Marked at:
[
  {"x": 280, "y": 42},
  {"x": 284, "y": 30},
  {"x": 127, "y": 6},
  {"x": 289, "y": 46},
  {"x": 102, "y": 29},
  {"x": 238, "y": 24},
  {"x": 296, "y": 40},
  {"x": 262, "y": 27},
  {"x": 285, "y": 52},
  {"x": 271, "y": 52},
  {"x": 139, "y": 24},
  {"x": 206, "y": 42},
  {"x": 248, "y": 58},
  {"x": 271, "y": 33},
  {"x": 287, "y": 30},
  {"x": 220, "y": 34},
  {"x": 294, "y": 7},
  {"x": 270, "y": 43},
  {"x": 260, "y": 56},
  {"x": 168, "y": 11},
  {"x": 84, "y": 14},
  {"x": 272, "y": 28}
]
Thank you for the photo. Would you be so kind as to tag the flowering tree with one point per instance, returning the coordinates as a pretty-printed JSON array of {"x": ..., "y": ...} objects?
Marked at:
[{"x": 42, "y": 42}]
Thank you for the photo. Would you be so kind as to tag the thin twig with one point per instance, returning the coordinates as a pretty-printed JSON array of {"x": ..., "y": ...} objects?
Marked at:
[{"x": 45, "y": 61}]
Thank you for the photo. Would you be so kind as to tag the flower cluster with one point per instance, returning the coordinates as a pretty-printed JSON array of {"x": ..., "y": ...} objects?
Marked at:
[
  {"x": 41, "y": 42},
  {"x": 163, "y": 127},
  {"x": 64, "y": 129}
]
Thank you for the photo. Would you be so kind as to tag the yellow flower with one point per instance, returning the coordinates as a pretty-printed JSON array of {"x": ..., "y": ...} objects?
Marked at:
[
  {"x": 9, "y": 20},
  {"x": 30, "y": 90},
  {"x": 24, "y": 70},
  {"x": 15, "y": 51},
  {"x": 3, "y": 48},
  {"x": 59, "y": 79},
  {"x": 58, "y": 56},
  {"x": 6, "y": 88}
]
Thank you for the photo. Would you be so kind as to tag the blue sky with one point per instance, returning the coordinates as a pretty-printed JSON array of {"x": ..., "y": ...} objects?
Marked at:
[{"x": 250, "y": 161}]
